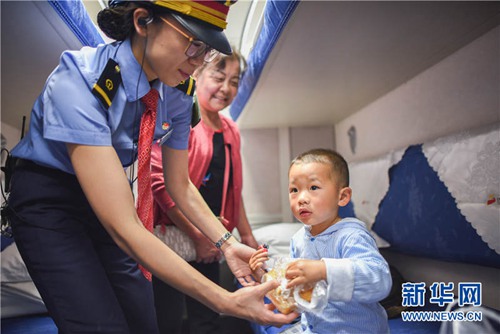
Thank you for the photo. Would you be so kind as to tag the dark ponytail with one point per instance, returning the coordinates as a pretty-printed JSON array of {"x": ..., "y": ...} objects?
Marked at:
[{"x": 117, "y": 21}]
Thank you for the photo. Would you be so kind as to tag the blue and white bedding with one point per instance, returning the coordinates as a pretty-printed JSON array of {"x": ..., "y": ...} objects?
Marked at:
[
  {"x": 468, "y": 164},
  {"x": 442, "y": 199}
]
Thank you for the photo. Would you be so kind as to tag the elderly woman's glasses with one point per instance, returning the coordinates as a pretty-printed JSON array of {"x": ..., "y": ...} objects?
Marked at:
[{"x": 195, "y": 47}]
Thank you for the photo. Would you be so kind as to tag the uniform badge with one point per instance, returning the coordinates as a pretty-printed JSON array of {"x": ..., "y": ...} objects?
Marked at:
[
  {"x": 106, "y": 87},
  {"x": 195, "y": 113},
  {"x": 169, "y": 130},
  {"x": 188, "y": 86}
]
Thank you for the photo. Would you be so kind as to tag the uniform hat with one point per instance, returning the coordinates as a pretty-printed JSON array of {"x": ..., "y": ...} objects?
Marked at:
[{"x": 205, "y": 19}]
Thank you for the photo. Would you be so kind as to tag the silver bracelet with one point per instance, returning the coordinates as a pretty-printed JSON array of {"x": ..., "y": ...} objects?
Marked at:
[{"x": 222, "y": 240}]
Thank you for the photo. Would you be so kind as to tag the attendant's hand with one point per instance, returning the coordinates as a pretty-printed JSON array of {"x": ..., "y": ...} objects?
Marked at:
[
  {"x": 249, "y": 304},
  {"x": 237, "y": 256},
  {"x": 305, "y": 272}
]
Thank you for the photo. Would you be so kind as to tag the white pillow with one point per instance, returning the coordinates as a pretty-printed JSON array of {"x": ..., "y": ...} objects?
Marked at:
[
  {"x": 19, "y": 295},
  {"x": 20, "y": 299},
  {"x": 13, "y": 267},
  {"x": 277, "y": 236}
]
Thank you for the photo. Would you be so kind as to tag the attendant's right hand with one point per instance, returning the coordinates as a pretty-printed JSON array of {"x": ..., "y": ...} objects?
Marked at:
[{"x": 248, "y": 303}]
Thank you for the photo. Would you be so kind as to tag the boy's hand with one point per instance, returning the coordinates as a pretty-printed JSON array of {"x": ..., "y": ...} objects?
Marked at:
[
  {"x": 257, "y": 261},
  {"x": 305, "y": 272}
]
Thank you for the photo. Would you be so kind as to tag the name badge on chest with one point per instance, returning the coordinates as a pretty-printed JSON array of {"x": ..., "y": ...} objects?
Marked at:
[{"x": 169, "y": 130}]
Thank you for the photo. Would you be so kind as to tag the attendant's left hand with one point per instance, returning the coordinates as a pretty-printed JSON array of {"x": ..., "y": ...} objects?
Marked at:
[{"x": 237, "y": 257}]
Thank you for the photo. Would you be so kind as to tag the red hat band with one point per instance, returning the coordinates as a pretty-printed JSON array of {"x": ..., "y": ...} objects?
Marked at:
[{"x": 213, "y": 12}]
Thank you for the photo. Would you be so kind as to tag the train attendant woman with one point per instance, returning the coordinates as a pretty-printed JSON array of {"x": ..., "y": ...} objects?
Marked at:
[{"x": 74, "y": 218}]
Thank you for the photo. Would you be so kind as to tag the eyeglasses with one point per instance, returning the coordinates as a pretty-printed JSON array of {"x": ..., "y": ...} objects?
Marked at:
[{"x": 195, "y": 47}]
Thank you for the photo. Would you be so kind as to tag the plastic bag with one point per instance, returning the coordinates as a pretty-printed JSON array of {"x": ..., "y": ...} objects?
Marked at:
[{"x": 301, "y": 298}]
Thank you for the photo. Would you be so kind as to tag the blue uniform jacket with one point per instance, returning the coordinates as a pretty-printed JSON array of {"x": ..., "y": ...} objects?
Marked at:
[{"x": 67, "y": 111}]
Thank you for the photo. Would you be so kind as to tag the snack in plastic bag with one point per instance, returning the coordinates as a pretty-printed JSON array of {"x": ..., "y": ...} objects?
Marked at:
[{"x": 301, "y": 298}]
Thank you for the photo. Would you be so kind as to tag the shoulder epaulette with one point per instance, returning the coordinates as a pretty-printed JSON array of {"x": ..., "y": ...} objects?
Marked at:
[
  {"x": 187, "y": 86},
  {"x": 196, "y": 115},
  {"x": 106, "y": 87}
]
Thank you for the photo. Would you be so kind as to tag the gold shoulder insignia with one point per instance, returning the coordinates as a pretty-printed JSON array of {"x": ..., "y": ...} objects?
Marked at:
[
  {"x": 106, "y": 87},
  {"x": 187, "y": 86},
  {"x": 195, "y": 115}
]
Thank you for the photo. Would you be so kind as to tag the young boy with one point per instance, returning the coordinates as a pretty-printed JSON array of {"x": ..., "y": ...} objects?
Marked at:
[{"x": 338, "y": 250}]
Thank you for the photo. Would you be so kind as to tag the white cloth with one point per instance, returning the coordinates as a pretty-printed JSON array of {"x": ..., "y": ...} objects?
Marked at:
[
  {"x": 13, "y": 267},
  {"x": 277, "y": 236},
  {"x": 369, "y": 181},
  {"x": 468, "y": 163},
  {"x": 19, "y": 295}
]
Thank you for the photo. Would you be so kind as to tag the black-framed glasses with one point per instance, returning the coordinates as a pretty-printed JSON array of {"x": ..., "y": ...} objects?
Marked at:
[{"x": 195, "y": 48}]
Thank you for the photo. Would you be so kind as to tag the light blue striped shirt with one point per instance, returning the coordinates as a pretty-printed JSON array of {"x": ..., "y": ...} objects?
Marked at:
[{"x": 358, "y": 278}]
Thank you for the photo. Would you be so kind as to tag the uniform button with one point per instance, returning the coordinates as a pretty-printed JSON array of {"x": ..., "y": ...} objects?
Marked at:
[{"x": 312, "y": 239}]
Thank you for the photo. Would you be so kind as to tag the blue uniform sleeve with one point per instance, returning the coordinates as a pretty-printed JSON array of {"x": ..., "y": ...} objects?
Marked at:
[
  {"x": 72, "y": 112},
  {"x": 179, "y": 111}
]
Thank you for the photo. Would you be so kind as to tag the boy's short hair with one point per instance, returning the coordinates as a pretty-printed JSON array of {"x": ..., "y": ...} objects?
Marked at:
[{"x": 335, "y": 160}]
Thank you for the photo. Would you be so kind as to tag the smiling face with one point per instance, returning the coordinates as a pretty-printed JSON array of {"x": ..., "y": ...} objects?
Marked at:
[
  {"x": 163, "y": 49},
  {"x": 315, "y": 195},
  {"x": 217, "y": 86}
]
